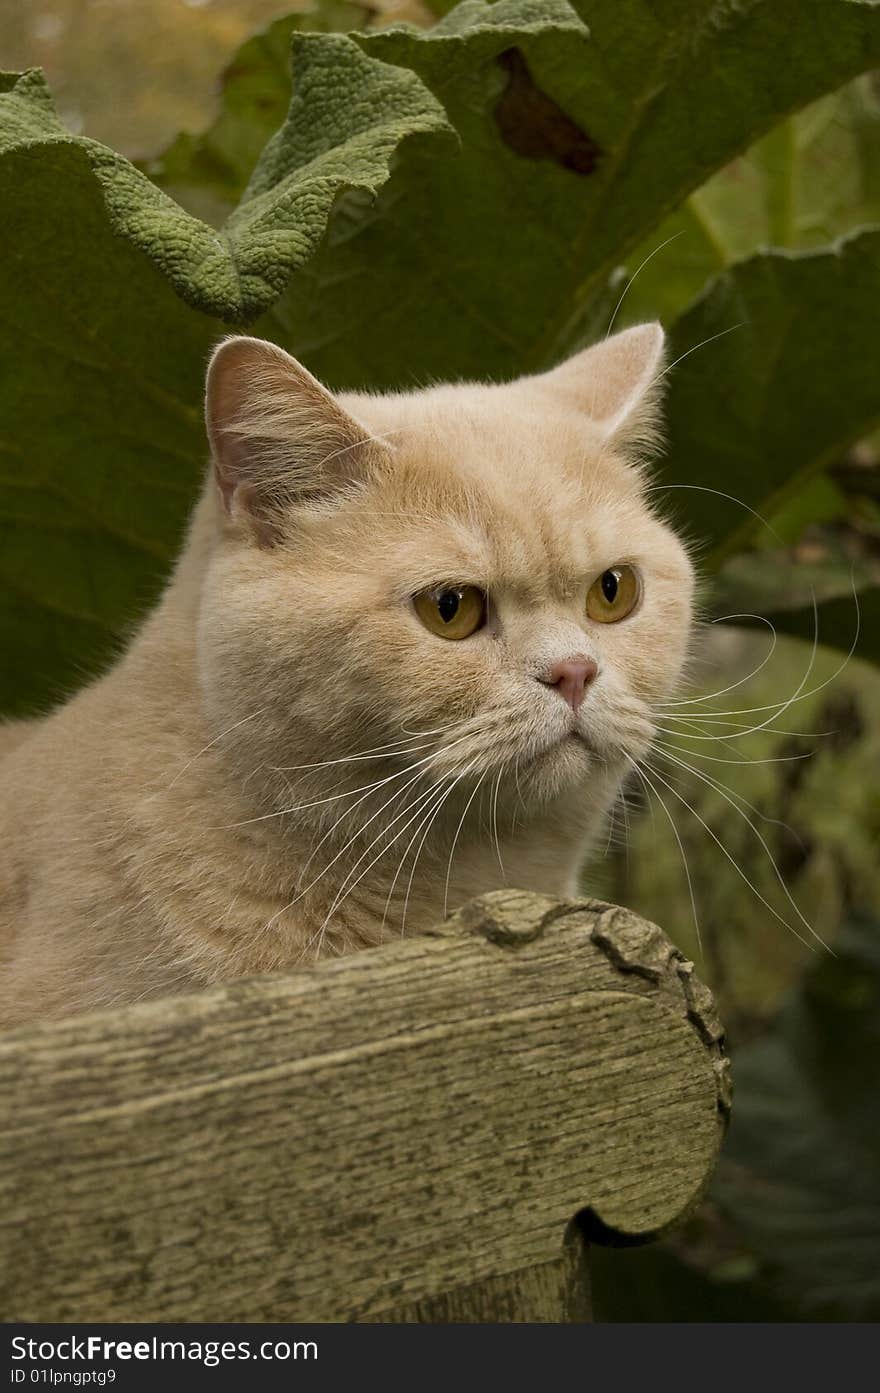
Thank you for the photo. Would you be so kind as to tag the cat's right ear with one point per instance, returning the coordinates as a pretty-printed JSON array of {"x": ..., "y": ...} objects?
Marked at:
[
  {"x": 616, "y": 383},
  {"x": 278, "y": 437}
]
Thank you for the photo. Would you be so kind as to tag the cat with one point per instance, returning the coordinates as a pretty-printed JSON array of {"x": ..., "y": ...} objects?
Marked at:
[{"x": 409, "y": 654}]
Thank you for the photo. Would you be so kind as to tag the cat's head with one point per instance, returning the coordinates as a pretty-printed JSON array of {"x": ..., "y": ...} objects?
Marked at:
[{"x": 472, "y": 574}]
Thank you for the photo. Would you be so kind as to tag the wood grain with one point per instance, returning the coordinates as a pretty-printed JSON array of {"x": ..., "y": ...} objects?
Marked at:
[
  {"x": 548, "y": 1292},
  {"x": 367, "y": 1137}
]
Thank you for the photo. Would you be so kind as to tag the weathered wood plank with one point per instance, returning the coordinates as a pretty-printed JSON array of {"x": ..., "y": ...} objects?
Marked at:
[
  {"x": 362, "y": 1137},
  {"x": 550, "y": 1292}
]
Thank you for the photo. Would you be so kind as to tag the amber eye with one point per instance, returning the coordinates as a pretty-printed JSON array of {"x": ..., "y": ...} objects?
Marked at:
[
  {"x": 614, "y": 595},
  {"x": 452, "y": 611}
]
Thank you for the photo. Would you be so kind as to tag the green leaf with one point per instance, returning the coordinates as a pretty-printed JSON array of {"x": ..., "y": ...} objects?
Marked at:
[
  {"x": 837, "y": 622},
  {"x": 208, "y": 173},
  {"x": 818, "y": 500},
  {"x": 800, "y": 1174},
  {"x": 781, "y": 586},
  {"x": 347, "y": 117},
  {"x": 574, "y": 145},
  {"x": 101, "y": 439},
  {"x": 781, "y": 581},
  {"x": 813, "y": 178},
  {"x": 777, "y": 376}
]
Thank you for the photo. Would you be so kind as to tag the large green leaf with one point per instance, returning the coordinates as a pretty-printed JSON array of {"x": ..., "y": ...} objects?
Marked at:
[
  {"x": 100, "y": 430},
  {"x": 346, "y": 119},
  {"x": 814, "y": 177},
  {"x": 781, "y": 586},
  {"x": 837, "y": 622},
  {"x": 780, "y": 377},
  {"x": 573, "y": 148},
  {"x": 208, "y": 173}
]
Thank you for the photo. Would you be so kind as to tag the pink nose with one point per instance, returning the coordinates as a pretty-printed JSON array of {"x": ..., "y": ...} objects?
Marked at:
[{"x": 571, "y": 679}]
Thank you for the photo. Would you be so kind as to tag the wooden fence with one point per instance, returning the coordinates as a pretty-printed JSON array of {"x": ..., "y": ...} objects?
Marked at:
[{"x": 421, "y": 1132}]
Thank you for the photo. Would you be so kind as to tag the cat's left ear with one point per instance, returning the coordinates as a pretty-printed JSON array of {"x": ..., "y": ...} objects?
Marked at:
[{"x": 616, "y": 383}]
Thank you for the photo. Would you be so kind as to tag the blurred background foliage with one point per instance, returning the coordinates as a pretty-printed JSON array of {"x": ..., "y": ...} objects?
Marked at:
[{"x": 791, "y": 1228}]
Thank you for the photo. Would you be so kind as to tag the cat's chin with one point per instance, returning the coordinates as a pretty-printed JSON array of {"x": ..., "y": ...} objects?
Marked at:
[{"x": 558, "y": 766}]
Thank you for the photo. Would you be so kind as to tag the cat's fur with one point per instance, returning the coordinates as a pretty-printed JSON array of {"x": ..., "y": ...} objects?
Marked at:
[{"x": 143, "y": 842}]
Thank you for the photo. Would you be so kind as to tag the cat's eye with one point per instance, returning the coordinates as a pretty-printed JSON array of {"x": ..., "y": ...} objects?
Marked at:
[
  {"x": 452, "y": 611},
  {"x": 614, "y": 595}
]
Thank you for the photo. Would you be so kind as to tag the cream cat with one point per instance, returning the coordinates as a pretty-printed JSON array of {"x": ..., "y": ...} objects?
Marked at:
[{"x": 412, "y": 639}]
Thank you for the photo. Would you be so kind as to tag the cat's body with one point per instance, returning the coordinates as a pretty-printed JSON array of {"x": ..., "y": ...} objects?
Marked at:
[{"x": 205, "y": 810}]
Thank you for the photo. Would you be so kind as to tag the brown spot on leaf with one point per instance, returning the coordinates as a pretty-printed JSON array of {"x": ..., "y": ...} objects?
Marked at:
[{"x": 533, "y": 125}]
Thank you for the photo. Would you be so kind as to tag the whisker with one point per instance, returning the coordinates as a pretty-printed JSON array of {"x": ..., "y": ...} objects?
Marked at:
[
  {"x": 648, "y": 786},
  {"x": 799, "y": 694},
  {"x": 300, "y": 893},
  {"x": 418, "y": 803},
  {"x": 637, "y": 272},
  {"x": 722, "y": 691},
  {"x": 378, "y": 752},
  {"x": 719, "y": 493},
  {"x": 519, "y": 795},
  {"x": 356, "y": 444},
  {"x": 779, "y": 707},
  {"x": 343, "y": 892},
  {"x": 419, "y": 765},
  {"x": 365, "y": 789},
  {"x": 765, "y": 817},
  {"x": 626, "y": 833},
  {"x": 744, "y": 730},
  {"x": 735, "y": 799},
  {"x": 740, "y": 872},
  {"x": 711, "y": 339},
  {"x": 611, "y": 816},
  {"x": 211, "y": 743},
  {"x": 440, "y": 730},
  {"x": 433, "y": 817},
  {"x": 455, "y": 843},
  {"x": 396, "y": 513},
  {"x": 434, "y": 790},
  {"x": 347, "y": 885},
  {"x": 718, "y": 759},
  {"x": 495, "y": 822}
]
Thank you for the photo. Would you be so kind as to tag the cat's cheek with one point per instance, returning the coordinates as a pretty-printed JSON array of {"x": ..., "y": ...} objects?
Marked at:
[
  {"x": 651, "y": 649},
  {"x": 423, "y": 678},
  {"x": 654, "y": 670}
]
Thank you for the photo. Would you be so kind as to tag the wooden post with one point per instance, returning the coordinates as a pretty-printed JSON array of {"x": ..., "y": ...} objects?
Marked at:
[{"x": 407, "y": 1133}]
